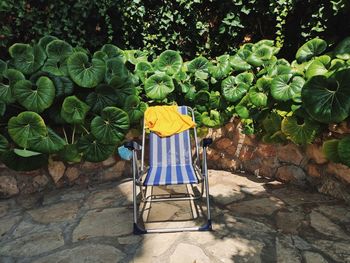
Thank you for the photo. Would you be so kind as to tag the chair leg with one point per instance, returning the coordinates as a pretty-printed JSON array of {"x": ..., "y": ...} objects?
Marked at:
[{"x": 208, "y": 226}]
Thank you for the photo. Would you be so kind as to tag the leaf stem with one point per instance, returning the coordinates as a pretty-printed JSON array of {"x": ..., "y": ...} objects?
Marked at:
[
  {"x": 73, "y": 134},
  {"x": 85, "y": 129},
  {"x": 65, "y": 135}
]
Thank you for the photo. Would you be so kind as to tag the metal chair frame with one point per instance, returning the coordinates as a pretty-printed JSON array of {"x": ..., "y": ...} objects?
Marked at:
[{"x": 140, "y": 172}]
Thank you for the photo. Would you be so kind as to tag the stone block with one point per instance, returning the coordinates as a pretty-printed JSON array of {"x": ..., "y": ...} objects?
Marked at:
[
  {"x": 223, "y": 143},
  {"x": 72, "y": 173},
  {"x": 313, "y": 170},
  {"x": 40, "y": 181},
  {"x": 231, "y": 150},
  {"x": 8, "y": 186},
  {"x": 291, "y": 174},
  {"x": 246, "y": 153},
  {"x": 56, "y": 170},
  {"x": 315, "y": 153},
  {"x": 339, "y": 170},
  {"x": 266, "y": 150},
  {"x": 290, "y": 153}
]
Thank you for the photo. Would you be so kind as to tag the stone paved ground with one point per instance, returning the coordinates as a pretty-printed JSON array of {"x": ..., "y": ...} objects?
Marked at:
[{"x": 254, "y": 221}]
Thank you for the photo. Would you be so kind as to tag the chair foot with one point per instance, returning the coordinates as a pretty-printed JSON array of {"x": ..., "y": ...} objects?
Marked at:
[
  {"x": 138, "y": 230},
  {"x": 206, "y": 227}
]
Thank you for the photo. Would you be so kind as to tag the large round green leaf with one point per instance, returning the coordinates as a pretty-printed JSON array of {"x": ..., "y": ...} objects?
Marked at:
[
  {"x": 135, "y": 56},
  {"x": 93, "y": 150},
  {"x": 199, "y": 67},
  {"x": 215, "y": 100},
  {"x": 254, "y": 60},
  {"x": 123, "y": 92},
  {"x": 26, "y": 58},
  {"x": 277, "y": 137},
  {"x": 231, "y": 90},
  {"x": 3, "y": 67},
  {"x": 9, "y": 78},
  {"x": 100, "y": 55},
  {"x": 221, "y": 67},
  {"x": 263, "y": 51},
  {"x": 158, "y": 86},
  {"x": 263, "y": 42},
  {"x": 330, "y": 150},
  {"x": 202, "y": 98},
  {"x": 63, "y": 86},
  {"x": 112, "y": 51},
  {"x": 48, "y": 143},
  {"x": 142, "y": 69},
  {"x": 286, "y": 87},
  {"x": 336, "y": 65},
  {"x": 4, "y": 144},
  {"x": 56, "y": 67},
  {"x": 25, "y": 152},
  {"x": 272, "y": 123},
  {"x": 342, "y": 50},
  {"x": 299, "y": 133},
  {"x": 135, "y": 108},
  {"x": 319, "y": 66},
  {"x": 117, "y": 73},
  {"x": 70, "y": 153},
  {"x": 26, "y": 126},
  {"x": 344, "y": 150},
  {"x": 328, "y": 99},
  {"x": 84, "y": 73},
  {"x": 44, "y": 41},
  {"x": 169, "y": 62},
  {"x": 74, "y": 110},
  {"x": 102, "y": 97},
  {"x": 35, "y": 97},
  {"x": 111, "y": 126},
  {"x": 310, "y": 49},
  {"x": 263, "y": 84},
  {"x": 200, "y": 84},
  {"x": 199, "y": 63},
  {"x": 245, "y": 78},
  {"x": 259, "y": 55},
  {"x": 2, "y": 108},
  {"x": 239, "y": 64},
  {"x": 212, "y": 119},
  {"x": 257, "y": 98},
  {"x": 58, "y": 50},
  {"x": 20, "y": 163},
  {"x": 242, "y": 111}
]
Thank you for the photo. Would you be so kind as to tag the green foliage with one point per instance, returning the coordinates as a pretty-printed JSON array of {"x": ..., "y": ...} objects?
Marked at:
[
  {"x": 35, "y": 97},
  {"x": 310, "y": 49},
  {"x": 210, "y": 28},
  {"x": 80, "y": 106},
  {"x": 110, "y": 127},
  {"x": 338, "y": 150},
  {"x": 328, "y": 99},
  {"x": 330, "y": 150},
  {"x": 344, "y": 150}
]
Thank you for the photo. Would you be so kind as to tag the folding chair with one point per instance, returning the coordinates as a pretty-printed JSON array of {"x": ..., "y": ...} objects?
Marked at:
[{"x": 170, "y": 163}]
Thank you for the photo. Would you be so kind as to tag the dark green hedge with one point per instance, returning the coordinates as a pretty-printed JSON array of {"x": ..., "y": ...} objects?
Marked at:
[{"x": 208, "y": 27}]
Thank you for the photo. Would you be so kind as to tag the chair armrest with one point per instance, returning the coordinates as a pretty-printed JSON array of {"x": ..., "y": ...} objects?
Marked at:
[
  {"x": 206, "y": 142},
  {"x": 132, "y": 145}
]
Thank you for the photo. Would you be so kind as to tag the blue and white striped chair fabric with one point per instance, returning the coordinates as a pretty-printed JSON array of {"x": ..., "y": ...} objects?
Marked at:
[{"x": 170, "y": 159}]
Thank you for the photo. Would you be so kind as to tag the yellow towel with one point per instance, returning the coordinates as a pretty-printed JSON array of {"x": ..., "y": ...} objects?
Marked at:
[{"x": 166, "y": 120}]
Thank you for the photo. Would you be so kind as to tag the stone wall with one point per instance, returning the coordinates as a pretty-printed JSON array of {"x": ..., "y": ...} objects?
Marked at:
[
  {"x": 231, "y": 150},
  {"x": 304, "y": 166},
  {"x": 58, "y": 175}
]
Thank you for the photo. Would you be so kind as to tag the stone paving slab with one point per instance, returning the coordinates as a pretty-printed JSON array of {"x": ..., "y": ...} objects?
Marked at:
[{"x": 254, "y": 220}]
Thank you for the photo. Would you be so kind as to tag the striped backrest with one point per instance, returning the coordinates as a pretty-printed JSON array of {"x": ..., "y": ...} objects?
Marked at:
[{"x": 172, "y": 150}]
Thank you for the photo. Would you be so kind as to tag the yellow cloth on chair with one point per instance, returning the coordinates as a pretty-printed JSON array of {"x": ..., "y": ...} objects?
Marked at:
[{"x": 166, "y": 120}]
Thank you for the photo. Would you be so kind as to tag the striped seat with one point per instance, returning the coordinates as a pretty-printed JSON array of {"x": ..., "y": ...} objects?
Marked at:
[{"x": 170, "y": 159}]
